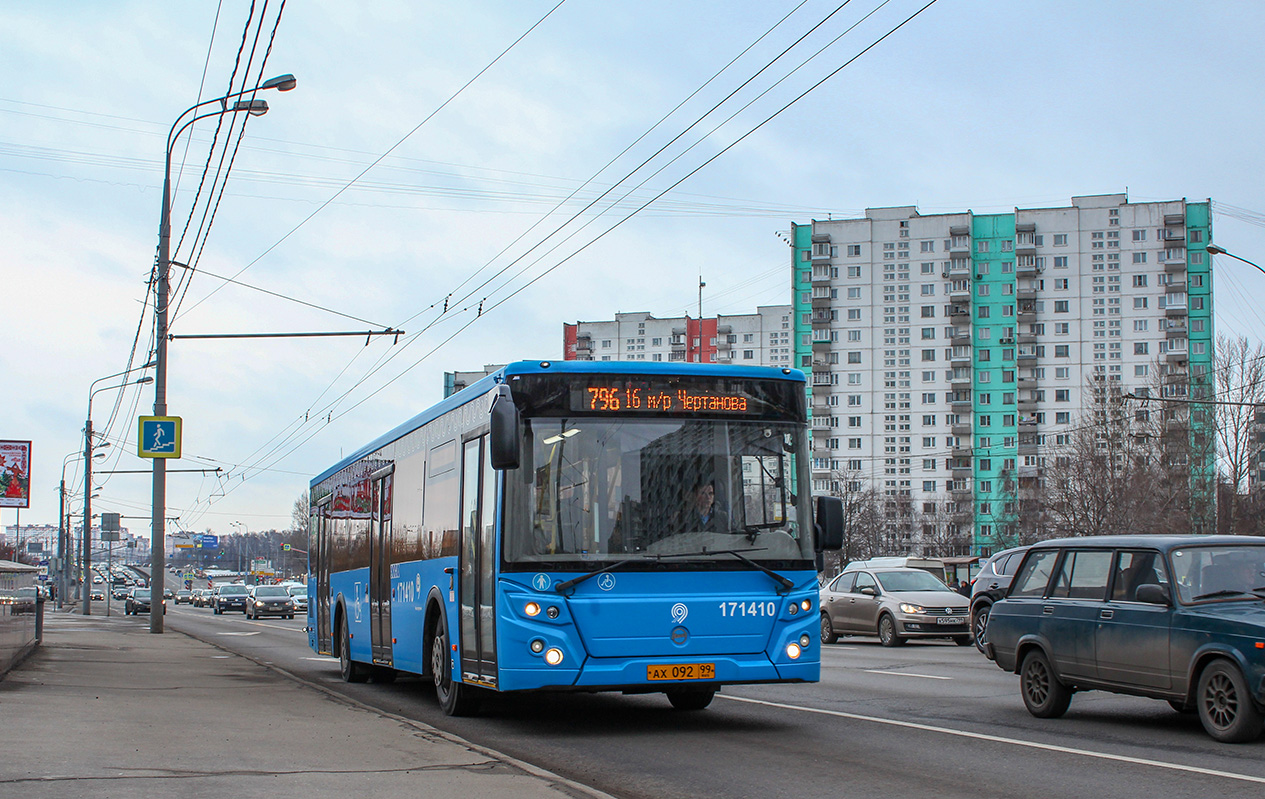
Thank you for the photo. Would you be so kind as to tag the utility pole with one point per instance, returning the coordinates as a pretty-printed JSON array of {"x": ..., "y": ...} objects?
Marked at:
[
  {"x": 86, "y": 585},
  {"x": 698, "y": 353}
]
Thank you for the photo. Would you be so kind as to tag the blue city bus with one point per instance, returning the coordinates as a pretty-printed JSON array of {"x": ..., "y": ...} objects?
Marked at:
[{"x": 576, "y": 526}]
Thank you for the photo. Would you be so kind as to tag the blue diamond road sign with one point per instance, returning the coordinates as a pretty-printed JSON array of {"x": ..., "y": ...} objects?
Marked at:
[{"x": 159, "y": 437}]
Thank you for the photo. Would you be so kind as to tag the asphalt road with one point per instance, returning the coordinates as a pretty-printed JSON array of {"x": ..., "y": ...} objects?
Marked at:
[{"x": 926, "y": 719}]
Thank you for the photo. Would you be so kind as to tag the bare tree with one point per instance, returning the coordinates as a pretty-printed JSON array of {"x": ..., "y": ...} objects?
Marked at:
[
  {"x": 1104, "y": 480},
  {"x": 1240, "y": 388},
  {"x": 945, "y": 532}
]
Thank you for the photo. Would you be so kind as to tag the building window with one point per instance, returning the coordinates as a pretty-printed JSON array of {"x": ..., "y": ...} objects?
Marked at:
[
  {"x": 1139, "y": 303},
  {"x": 1062, "y": 395},
  {"x": 1060, "y": 350},
  {"x": 854, "y": 357},
  {"x": 1060, "y": 239},
  {"x": 854, "y": 250}
]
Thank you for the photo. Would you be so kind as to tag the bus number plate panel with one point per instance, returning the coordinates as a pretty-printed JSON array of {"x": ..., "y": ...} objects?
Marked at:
[{"x": 682, "y": 671}]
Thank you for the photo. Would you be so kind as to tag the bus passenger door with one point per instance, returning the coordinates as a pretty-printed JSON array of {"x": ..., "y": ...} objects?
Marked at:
[
  {"x": 324, "y": 636},
  {"x": 380, "y": 567},
  {"x": 478, "y": 562}
]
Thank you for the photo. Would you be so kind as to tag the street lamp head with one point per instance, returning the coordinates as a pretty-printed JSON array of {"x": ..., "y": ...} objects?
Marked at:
[
  {"x": 1215, "y": 250},
  {"x": 255, "y": 108},
  {"x": 282, "y": 83},
  {"x": 144, "y": 381}
]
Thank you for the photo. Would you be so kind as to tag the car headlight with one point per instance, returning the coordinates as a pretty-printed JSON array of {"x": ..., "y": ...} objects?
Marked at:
[
  {"x": 906, "y": 607},
  {"x": 259, "y": 604}
]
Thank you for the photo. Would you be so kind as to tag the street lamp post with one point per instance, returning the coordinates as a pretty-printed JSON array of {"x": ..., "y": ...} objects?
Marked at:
[
  {"x": 63, "y": 533},
  {"x": 87, "y": 477},
  {"x": 253, "y": 107}
]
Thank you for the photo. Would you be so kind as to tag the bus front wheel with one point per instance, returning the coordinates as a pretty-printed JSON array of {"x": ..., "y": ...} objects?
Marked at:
[
  {"x": 690, "y": 700},
  {"x": 455, "y": 699}
]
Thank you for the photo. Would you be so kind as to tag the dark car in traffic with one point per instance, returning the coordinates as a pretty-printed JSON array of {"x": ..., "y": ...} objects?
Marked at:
[
  {"x": 229, "y": 597},
  {"x": 269, "y": 600},
  {"x": 1178, "y": 618},
  {"x": 991, "y": 585},
  {"x": 138, "y": 601}
]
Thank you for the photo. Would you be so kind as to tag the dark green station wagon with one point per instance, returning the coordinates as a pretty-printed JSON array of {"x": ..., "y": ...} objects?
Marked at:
[{"x": 1180, "y": 618}]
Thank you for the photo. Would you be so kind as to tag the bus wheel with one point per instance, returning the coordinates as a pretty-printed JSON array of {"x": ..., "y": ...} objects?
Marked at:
[
  {"x": 350, "y": 670},
  {"x": 690, "y": 700},
  {"x": 455, "y": 699}
]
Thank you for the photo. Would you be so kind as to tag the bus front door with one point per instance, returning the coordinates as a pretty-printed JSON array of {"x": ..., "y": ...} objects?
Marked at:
[
  {"x": 478, "y": 562},
  {"x": 380, "y": 568}
]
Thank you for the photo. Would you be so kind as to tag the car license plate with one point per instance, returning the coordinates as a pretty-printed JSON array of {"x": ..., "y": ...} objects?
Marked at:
[
  {"x": 951, "y": 620},
  {"x": 682, "y": 671}
]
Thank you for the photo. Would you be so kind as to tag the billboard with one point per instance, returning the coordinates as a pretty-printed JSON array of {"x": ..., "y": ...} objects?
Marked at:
[{"x": 15, "y": 474}]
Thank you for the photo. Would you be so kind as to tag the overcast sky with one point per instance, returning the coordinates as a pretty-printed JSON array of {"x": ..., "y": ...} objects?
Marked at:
[{"x": 973, "y": 104}]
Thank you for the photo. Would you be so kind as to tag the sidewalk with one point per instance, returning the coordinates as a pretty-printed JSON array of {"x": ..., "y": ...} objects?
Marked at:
[{"x": 106, "y": 709}]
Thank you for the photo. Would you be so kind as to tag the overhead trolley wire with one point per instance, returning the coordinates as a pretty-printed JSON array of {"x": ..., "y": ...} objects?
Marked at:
[{"x": 389, "y": 150}]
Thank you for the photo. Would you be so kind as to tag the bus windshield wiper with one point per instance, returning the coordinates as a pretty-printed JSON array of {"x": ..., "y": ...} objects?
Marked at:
[{"x": 786, "y": 584}]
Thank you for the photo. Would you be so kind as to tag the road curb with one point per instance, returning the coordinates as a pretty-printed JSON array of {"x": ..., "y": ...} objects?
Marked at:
[{"x": 556, "y": 780}]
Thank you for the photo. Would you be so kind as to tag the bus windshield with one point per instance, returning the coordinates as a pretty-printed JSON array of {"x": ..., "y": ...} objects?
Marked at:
[{"x": 609, "y": 489}]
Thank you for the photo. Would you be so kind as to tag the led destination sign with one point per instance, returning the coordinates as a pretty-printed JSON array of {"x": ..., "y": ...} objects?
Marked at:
[
  {"x": 619, "y": 398},
  {"x": 669, "y": 395}
]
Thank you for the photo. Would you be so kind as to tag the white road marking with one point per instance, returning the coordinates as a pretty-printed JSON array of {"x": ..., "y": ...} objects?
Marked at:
[
  {"x": 256, "y": 632},
  {"x": 322, "y": 659},
  {"x": 979, "y": 736},
  {"x": 908, "y": 674}
]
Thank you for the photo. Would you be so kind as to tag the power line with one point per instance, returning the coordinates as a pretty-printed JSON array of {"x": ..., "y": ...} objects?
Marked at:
[{"x": 389, "y": 150}]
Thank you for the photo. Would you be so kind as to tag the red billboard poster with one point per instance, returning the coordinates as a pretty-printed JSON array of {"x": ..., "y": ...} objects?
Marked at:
[{"x": 15, "y": 474}]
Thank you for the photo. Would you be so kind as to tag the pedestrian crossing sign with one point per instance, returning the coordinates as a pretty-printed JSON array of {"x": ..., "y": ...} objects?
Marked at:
[{"x": 159, "y": 437}]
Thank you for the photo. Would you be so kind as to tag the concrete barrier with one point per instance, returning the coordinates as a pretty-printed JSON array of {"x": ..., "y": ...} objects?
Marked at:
[{"x": 21, "y": 613}]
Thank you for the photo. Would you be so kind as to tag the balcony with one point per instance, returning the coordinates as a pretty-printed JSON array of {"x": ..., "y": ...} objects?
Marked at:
[
  {"x": 961, "y": 356},
  {"x": 961, "y": 402},
  {"x": 961, "y": 334},
  {"x": 1026, "y": 338},
  {"x": 1025, "y": 355},
  {"x": 959, "y": 266},
  {"x": 821, "y": 316},
  {"x": 959, "y": 312},
  {"x": 821, "y": 379},
  {"x": 822, "y": 424},
  {"x": 821, "y": 443},
  {"x": 821, "y": 273},
  {"x": 960, "y": 291},
  {"x": 584, "y": 344},
  {"x": 677, "y": 342},
  {"x": 1025, "y": 265},
  {"x": 960, "y": 379},
  {"x": 724, "y": 330},
  {"x": 821, "y": 402},
  {"x": 1174, "y": 238},
  {"x": 1171, "y": 309},
  {"x": 1176, "y": 329},
  {"x": 1173, "y": 265},
  {"x": 1027, "y": 402},
  {"x": 1027, "y": 422},
  {"x": 961, "y": 429},
  {"x": 1174, "y": 219},
  {"x": 961, "y": 472}
]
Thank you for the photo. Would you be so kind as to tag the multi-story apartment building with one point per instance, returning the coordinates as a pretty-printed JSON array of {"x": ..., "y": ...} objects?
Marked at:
[
  {"x": 759, "y": 339},
  {"x": 950, "y": 352}
]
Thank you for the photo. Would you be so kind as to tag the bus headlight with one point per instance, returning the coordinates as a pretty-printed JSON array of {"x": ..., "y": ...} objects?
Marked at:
[
  {"x": 538, "y": 646},
  {"x": 553, "y": 657},
  {"x": 531, "y": 609},
  {"x": 807, "y": 605},
  {"x": 794, "y": 609},
  {"x": 804, "y": 641},
  {"x": 792, "y": 651}
]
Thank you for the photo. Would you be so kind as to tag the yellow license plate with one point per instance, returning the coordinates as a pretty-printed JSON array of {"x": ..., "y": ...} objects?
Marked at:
[{"x": 682, "y": 671}]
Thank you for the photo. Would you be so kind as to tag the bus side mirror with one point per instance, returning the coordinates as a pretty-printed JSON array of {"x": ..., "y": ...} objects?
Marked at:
[
  {"x": 506, "y": 439},
  {"x": 829, "y": 524}
]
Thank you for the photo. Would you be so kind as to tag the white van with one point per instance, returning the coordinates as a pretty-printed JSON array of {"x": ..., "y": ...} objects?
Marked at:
[{"x": 934, "y": 566}]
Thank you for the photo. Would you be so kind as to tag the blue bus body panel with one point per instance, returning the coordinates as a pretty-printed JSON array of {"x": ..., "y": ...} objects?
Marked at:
[
  {"x": 351, "y": 589},
  {"x": 610, "y": 631},
  {"x": 411, "y": 588}
]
